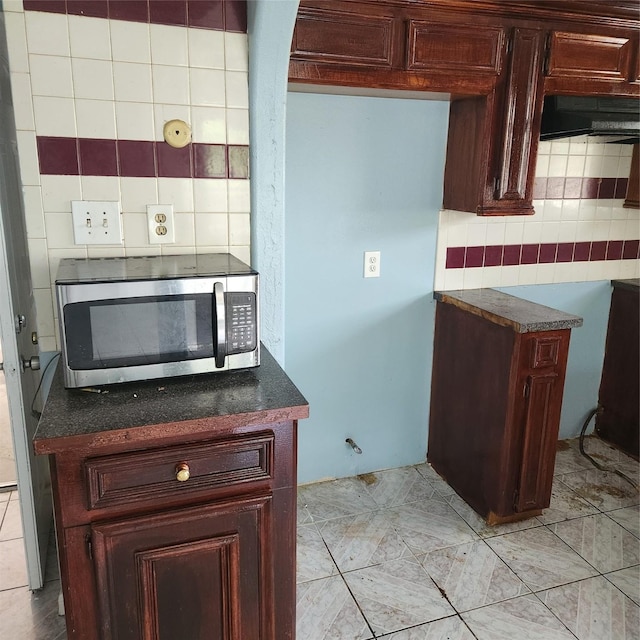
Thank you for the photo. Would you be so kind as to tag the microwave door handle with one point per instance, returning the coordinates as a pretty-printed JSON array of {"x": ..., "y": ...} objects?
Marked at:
[{"x": 221, "y": 324}]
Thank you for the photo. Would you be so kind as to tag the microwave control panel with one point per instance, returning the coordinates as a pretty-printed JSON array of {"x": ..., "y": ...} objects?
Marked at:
[{"x": 241, "y": 322}]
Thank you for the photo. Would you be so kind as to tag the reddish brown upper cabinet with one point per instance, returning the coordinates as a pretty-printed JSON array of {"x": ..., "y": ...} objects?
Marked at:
[
  {"x": 175, "y": 506},
  {"x": 493, "y": 139},
  {"x": 494, "y": 60},
  {"x": 496, "y": 394}
]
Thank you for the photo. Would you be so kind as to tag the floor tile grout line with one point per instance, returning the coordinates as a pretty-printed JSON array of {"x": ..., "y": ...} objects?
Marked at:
[{"x": 535, "y": 594}]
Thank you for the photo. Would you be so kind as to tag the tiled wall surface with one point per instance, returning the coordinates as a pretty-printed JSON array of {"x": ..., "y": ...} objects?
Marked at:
[
  {"x": 92, "y": 88},
  {"x": 580, "y": 230}
]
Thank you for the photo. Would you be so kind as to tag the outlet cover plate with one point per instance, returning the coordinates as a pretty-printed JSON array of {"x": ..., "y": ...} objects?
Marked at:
[
  {"x": 96, "y": 222},
  {"x": 160, "y": 223}
]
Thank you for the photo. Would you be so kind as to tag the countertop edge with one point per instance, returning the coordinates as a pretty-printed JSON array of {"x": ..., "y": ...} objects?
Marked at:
[
  {"x": 181, "y": 430},
  {"x": 562, "y": 320}
]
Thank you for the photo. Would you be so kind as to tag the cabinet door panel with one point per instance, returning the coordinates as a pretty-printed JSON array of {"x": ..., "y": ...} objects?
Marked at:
[
  {"x": 448, "y": 47},
  {"x": 202, "y": 573},
  {"x": 343, "y": 38},
  {"x": 521, "y": 122},
  {"x": 540, "y": 435},
  {"x": 589, "y": 56}
]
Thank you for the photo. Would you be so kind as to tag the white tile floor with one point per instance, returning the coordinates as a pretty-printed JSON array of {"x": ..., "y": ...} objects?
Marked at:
[{"x": 398, "y": 555}]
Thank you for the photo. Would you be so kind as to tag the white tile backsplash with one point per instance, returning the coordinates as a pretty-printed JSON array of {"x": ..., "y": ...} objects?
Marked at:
[
  {"x": 58, "y": 192},
  {"x": 207, "y": 87},
  {"x": 33, "y": 212},
  {"x": 209, "y": 124},
  {"x": 135, "y": 230},
  {"x": 59, "y": 229},
  {"x": 89, "y": 38},
  {"x": 95, "y": 119},
  {"x": 206, "y": 49},
  {"x": 130, "y": 41},
  {"x": 22, "y": 101},
  {"x": 237, "y": 89},
  {"x": 170, "y": 84},
  {"x": 238, "y": 126},
  {"x": 132, "y": 82},
  {"x": 185, "y": 229},
  {"x": 39, "y": 263},
  {"x": 93, "y": 79},
  {"x": 239, "y": 196},
  {"x": 134, "y": 121},
  {"x": 210, "y": 196},
  {"x": 236, "y": 52},
  {"x": 17, "y": 42},
  {"x": 75, "y": 76},
  {"x": 51, "y": 76},
  {"x": 137, "y": 193},
  {"x": 106, "y": 188},
  {"x": 47, "y": 33},
  {"x": 176, "y": 191},
  {"x": 564, "y": 221},
  {"x": 169, "y": 45},
  {"x": 211, "y": 229},
  {"x": 28, "y": 157}
]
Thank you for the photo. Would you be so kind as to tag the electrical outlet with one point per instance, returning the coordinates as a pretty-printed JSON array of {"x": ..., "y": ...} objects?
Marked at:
[
  {"x": 96, "y": 222},
  {"x": 161, "y": 224},
  {"x": 371, "y": 264}
]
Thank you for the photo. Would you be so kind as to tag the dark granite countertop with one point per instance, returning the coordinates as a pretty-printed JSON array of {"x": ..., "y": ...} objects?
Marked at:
[
  {"x": 633, "y": 284},
  {"x": 136, "y": 410},
  {"x": 500, "y": 308}
]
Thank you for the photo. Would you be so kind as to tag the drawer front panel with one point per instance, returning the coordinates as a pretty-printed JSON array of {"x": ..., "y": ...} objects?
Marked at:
[
  {"x": 123, "y": 479},
  {"x": 444, "y": 47}
]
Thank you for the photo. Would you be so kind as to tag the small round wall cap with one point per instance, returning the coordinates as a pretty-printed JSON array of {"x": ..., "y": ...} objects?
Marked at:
[{"x": 177, "y": 133}]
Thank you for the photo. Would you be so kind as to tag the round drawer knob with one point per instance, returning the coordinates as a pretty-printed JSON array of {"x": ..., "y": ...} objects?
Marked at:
[{"x": 182, "y": 472}]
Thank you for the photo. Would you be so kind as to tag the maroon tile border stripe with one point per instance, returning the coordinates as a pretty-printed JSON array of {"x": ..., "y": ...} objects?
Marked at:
[
  {"x": 574, "y": 188},
  {"x": 517, "y": 254},
  {"x": 226, "y": 15},
  {"x": 140, "y": 159}
]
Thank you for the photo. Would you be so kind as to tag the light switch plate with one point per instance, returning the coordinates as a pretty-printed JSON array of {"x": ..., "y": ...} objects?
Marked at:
[{"x": 96, "y": 222}]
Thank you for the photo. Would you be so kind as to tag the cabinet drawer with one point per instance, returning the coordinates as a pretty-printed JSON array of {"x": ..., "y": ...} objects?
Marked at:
[
  {"x": 343, "y": 38},
  {"x": 127, "y": 478},
  {"x": 590, "y": 56},
  {"x": 435, "y": 46}
]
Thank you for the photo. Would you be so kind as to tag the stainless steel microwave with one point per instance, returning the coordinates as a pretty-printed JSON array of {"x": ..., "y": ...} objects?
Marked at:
[{"x": 140, "y": 318}]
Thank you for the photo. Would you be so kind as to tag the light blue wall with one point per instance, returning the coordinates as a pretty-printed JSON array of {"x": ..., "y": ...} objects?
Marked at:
[
  {"x": 270, "y": 28},
  {"x": 591, "y": 301},
  {"x": 326, "y": 368},
  {"x": 362, "y": 174}
]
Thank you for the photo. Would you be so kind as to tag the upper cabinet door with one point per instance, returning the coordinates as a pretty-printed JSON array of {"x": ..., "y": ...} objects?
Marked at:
[
  {"x": 592, "y": 63},
  {"x": 338, "y": 37},
  {"x": 590, "y": 56},
  {"x": 439, "y": 46}
]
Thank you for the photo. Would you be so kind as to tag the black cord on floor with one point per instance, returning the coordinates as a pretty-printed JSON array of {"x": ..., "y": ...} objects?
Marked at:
[{"x": 596, "y": 464}]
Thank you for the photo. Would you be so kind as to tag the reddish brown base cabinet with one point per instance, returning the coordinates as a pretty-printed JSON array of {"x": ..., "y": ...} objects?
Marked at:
[
  {"x": 618, "y": 420},
  {"x": 145, "y": 556},
  {"x": 496, "y": 396}
]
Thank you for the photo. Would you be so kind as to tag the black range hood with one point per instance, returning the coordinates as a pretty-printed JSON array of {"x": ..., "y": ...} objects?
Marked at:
[{"x": 612, "y": 119}]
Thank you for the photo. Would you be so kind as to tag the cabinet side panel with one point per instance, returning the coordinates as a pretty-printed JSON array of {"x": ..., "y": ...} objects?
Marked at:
[
  {"x": 470, "y": 405},
  {"x": 466, "y": 167},
  {"x": 619, "y": 422}
]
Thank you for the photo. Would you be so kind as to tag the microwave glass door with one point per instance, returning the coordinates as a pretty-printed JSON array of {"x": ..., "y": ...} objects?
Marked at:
[{"x": 139, "y": 331}]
